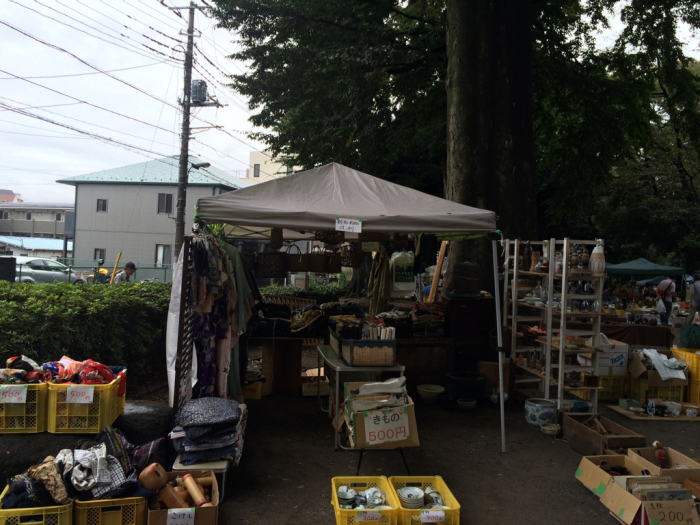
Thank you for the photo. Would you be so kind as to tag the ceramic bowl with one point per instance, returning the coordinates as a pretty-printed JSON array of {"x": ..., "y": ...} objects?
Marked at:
[
  {"x": 466, "y": 404},
  {"x": 550, "y": 429},
  {"x": 430, "y": 393},
  {"x": 691, "y": 412},
  {"x": 539, "y": 411}
]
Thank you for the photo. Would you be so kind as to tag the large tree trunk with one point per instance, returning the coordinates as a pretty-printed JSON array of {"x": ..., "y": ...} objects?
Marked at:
[{"x": 490, "y": 143}]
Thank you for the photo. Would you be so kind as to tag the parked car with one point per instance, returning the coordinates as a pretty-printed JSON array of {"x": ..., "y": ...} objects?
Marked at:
[{"x": 42, "y": 270}]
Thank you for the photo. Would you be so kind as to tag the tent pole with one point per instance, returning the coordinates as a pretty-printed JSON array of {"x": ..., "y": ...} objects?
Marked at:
[{"x": 499, "y": 330}]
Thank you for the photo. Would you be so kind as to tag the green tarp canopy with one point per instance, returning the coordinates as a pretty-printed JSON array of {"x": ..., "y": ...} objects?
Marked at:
[{"x": 642, "y": 267}]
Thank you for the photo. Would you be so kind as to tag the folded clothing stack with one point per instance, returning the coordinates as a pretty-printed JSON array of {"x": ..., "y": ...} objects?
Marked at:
[
  {"x": 213, "y": 429},
  {"x": 428, "y": 319}
]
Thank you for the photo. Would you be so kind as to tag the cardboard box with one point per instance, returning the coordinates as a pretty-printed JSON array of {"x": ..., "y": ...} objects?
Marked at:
[
  {"x": 637, "y": 369},
  {"x": 613, "y": 361},
  {"x": 596, "y": 479},
  {"x": 646, "y": 458},
  {"x": 357, "y": 436},
  {"x": 575, "y": 431},
  {"x": 252, "y": 391},
  {"x": 203, "y": 515},
  {"x": 310, "y": 385},
  {"x": 629, "y": 509},
  {"x": 489, "y": 370}
]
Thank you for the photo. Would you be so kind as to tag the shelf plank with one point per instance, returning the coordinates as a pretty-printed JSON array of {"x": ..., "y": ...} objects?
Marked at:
[
  {"x": 553, "y": 382},
  {"x": 582, "y": 350},
  {"x": 558, "y": 312}
]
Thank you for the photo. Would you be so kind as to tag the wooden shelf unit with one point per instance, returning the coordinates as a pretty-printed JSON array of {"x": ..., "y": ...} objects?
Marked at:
[{"x": 550, "y": 319}]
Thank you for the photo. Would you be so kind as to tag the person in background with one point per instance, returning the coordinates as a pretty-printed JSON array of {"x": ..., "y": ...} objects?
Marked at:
[
  {"x": 666, "y": 291},
  {"x": 694, "y": 296},
  {"x": 628, "y": 290},
  {"x": 125, "y": 275}
]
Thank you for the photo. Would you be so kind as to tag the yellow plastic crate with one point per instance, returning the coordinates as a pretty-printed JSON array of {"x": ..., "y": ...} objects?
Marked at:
[
  {"x": 119, "y": 403},
  {"x": 27, "y": 418},
  {"x": 58, "y": 515},
  {"x": 613, "y": 389},
  {"x": 691, "y": 359},
  {"x": 666, "y": 393},
  {"x": 360, "y": 483},
  {"x": 694, "y": 392},
  {"x": 120, "y": 511},
  {"x": 410, "y": 516},
  {"x": 71, "y": 418}
]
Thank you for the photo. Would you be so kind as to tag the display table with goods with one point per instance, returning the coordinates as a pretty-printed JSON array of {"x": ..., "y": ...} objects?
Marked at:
[
  {"x": 396, "y": 500},
  {"x": 648, "y": 485},
  {"x": 63, "y": 397},
  {"x": 549, "y": 284}
]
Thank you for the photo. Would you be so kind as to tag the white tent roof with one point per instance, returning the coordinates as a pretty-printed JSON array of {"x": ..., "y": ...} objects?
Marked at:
[{"x": 311, "y": 201}]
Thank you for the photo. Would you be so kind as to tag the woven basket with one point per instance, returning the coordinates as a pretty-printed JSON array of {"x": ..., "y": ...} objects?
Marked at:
[
  {"x": 297, "y": 262},
  {"x": 334, "y": 264},
  {"x": 365, "y": 352},
  {"x": 352, "y": 256},
  {"x": 330, "y": 237},
  {"x": 276, "y": 239},
  {"x": 318, "y": 261}
]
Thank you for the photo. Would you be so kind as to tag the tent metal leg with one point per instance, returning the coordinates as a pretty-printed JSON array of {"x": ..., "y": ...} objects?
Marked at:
[{"x": 499, "y": 329}]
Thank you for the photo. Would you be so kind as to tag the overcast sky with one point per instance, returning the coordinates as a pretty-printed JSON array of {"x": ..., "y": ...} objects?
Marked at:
[{"x": 35, "y": 153}]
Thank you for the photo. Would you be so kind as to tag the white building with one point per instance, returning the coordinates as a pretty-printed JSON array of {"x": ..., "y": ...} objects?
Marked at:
[
  {"x": 34, "y": 219},
  {"x": 264, "y": 168},
  {"x": 33, "y": 247}
]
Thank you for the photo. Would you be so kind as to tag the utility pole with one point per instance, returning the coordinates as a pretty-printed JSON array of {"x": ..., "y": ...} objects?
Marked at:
[{"x": 184, "y": 138}]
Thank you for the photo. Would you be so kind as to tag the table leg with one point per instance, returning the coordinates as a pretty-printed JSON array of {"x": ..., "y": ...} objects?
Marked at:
[
  {"x": 318, "y": 391},
  {"x": 223, "y": 487},
  {"x": 405, "y": 463},
  {"x": 359, "y": 462},
  {"x": 337, "y": 408}
]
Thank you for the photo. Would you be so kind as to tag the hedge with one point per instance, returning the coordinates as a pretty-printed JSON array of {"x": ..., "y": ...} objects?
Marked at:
[{"x": 120, "y": 324}]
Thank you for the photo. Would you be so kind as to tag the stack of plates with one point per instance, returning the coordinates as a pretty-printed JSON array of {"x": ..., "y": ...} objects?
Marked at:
[
  {"x": 411, "y": 497},
  {"x": 346, "y": 499}
]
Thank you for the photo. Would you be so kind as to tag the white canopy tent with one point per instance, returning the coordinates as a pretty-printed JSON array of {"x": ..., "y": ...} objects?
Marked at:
[{"x": 312, "y": 200}]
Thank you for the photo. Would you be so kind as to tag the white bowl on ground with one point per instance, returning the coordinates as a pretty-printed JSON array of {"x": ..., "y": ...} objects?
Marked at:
[{"x": 430, "y": 393}]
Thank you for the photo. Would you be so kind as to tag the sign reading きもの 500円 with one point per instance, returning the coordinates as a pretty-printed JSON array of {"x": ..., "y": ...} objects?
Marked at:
[
  {"x": 384, "y": 426},
  {"x": 80, "y": 393},
  {"x": 13, "y": 394},
  {"x": 180, "y": 517},
  {"x": 348, "y": 225}
]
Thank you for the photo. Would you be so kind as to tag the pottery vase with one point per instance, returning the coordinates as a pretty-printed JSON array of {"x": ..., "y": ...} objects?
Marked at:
[
  {"x": 585, "y": 257},
  {"x": 534, "y": 260},
  {"x": 539, "y": 411},
  {"x": 597, "y": 263}
]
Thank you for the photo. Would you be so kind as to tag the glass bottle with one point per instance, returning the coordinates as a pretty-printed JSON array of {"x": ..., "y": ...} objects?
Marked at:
[{"x": 527, "y": 257}]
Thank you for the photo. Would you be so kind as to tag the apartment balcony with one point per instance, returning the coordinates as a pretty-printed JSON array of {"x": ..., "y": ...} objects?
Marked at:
[{"x": 32, "y": 228}]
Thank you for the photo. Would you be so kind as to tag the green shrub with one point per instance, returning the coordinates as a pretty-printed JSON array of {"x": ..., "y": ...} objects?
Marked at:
[{"x": 120, "y": 324}]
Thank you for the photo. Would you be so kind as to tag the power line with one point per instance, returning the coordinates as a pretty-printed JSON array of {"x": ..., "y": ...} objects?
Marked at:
[
  {"x": 92, "y": 72},
  {"x": 142, "y": 23},
  {"x": 147, "y": 14},
  {"x": 51, "y": 106},
  {"x": 83, "y": 101},
  {"x": 140, "y": 53},
  {"x": 46, "y": 136}
]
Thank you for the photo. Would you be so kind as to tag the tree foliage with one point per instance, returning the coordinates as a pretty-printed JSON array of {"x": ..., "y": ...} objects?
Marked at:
[{"x": 362, "y": 82}]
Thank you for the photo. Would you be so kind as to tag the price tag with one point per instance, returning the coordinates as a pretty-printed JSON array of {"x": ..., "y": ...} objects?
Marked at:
[
  {"x": 432, "y": 516},
  {"x": 348, "y": 225},
  {"x": 368, "y": 515},
  {"x": 16, "y": 394},
  {"x": 385, "y": 426},
  {"x": 180, "y": 517},
  {"x": 80, "y": 394}
]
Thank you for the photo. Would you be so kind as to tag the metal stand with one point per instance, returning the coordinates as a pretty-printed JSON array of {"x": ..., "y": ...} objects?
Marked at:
[{"x": 362, "y": 453}]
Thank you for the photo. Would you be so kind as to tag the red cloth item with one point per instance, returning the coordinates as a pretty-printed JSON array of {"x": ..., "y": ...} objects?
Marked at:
[
  {"x": 94, "y": 373},
  {"x": 122, "y": 385}
]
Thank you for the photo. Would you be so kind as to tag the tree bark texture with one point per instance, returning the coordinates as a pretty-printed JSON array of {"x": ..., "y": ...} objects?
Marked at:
[{"x": 490, "y": 141}]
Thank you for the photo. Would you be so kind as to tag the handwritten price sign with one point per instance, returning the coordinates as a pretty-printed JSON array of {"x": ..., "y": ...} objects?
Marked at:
[
  {"x": 80, "y": 394},
  {"x": 368, "y": 515},
  {"x": 432, "y": 516},
  {"x": 180, "y": 517},
  {"x": 13, "y": 394},
  {"x": 348, "y": 225},
  {"x": 386, "y": 426}
]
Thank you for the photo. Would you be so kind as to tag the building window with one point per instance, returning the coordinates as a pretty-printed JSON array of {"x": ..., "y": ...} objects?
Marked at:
[
  {"x": 102, "y": 205},
  {"x": 163, "y": 254},
  {"x": 100, "y": 253},
  {"x": 289, "y": 171},
  {"x": 256, "y": 170},
  {"x": 29, "y": 216},
  {"x": 165, "y": 203},
  {"x": 5, "y": 215},
  {"x": 58, "y": 217}
]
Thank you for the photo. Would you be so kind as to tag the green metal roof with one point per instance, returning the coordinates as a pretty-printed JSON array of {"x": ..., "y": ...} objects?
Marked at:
[{"x": 159, "y": 171}]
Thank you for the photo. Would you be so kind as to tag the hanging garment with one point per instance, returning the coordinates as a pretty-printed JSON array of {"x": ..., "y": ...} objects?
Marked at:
[
  {"x": 247, "y": 290},
  {"x": 205, "y": 346},
  {"x": 426, "y": 253},
  {"x": 379, "y": 287}
]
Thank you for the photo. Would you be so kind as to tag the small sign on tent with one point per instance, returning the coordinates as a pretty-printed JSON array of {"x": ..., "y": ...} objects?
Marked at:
[{"x": 348, "y": 225}]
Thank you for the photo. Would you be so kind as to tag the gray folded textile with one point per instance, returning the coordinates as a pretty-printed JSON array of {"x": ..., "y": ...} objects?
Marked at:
[{"x": 90, "y": 467}]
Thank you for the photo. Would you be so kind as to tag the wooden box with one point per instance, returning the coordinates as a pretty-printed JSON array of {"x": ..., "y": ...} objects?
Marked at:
[{"x": 576, "y": 432}]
